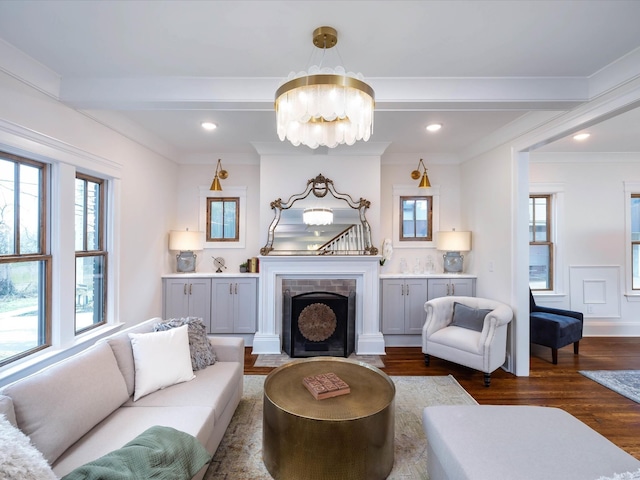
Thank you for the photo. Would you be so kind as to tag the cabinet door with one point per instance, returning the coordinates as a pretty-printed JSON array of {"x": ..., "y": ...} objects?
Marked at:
[
  {"x": 463, "y": 287},
  {"x": 438, "y": 287},
  {"x": 245, "y": 305},
  {"x": 222, "y": 306},
  {"x": 199, "y": 294},
  {"x": 415, "y": 295},
  {"x": 176, "y": 298},
  {"x": 393, "y": 306}
]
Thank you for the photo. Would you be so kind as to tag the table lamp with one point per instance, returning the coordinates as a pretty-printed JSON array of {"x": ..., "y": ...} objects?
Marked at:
[
  {"x": 185, "y": 242},
  {"x": 453, "y": 243}
]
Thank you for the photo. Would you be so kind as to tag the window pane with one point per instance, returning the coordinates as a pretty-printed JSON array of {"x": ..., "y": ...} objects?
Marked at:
[
  {"x": 422, "y": 219},
  {"x": 29, "y": 209},
  {"x": 539, "y": 267},
  {"x": 635, "y": 260},
  {"x": 541, "y": 220},
  {"x": 7, "y": 208},
  {"x": 22, "y": 315},
  {"x": 635, "y": 219},
  {"x": 80, "y": 213},
  {"x": 216, "y": 219},
  {"x": 408, "y": 215},
  {"x": 229, "y": 220},
  {"x": 89, "y": 291},
  {"x": 93, "y": 216}
]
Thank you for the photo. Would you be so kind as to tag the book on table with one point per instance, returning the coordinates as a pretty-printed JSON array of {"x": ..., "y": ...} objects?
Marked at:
[{"x": 326, "y": 385}]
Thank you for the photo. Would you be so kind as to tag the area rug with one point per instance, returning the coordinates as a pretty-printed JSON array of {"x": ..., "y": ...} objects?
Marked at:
[
  {"x": 281, "y": 359},
  {"x": 239, "y": 456},
  {"x": 624, "y": 382}
]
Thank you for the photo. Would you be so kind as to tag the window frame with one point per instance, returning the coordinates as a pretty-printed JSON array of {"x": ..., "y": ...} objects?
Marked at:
[
  {"x": 43, "y": 255},
  {"x": 413, "y": 191},
  {"x": 101, "y": 251},
  {"x": 429, "y": 200},
  {"x": 209, "y": 201},
  {"x": 549, "y": 242}
]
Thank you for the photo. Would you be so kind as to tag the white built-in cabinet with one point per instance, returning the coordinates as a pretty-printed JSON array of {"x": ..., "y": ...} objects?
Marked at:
[
  {"x": 187, "y": 297},
  {"x": 402, "y": 299},
  {"x": 226, "y": 304},
  {"x": 234, "y": 305},
  {"x": 445, "y": 287},
  {"x": 403, "y": 305}
]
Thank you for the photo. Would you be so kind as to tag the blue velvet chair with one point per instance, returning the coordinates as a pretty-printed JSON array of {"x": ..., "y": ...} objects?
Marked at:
[{"x": 554, "y": 327}]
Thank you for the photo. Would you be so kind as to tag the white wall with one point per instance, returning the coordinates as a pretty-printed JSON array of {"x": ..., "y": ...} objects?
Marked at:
[
  {"x": 194, "y": 178},
  {"x": 396, "y": 171},
  {"x": 592, "y": 232},
  {"x": 35, "y": 125}
]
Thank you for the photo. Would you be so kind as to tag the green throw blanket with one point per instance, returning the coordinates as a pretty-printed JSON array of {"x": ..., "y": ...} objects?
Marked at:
[{"x": 158, "y": 453}]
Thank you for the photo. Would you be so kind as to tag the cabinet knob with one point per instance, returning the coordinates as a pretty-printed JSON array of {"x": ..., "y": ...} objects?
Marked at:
[
  {"x": 447, "y": 289},
  {"x": 407, "y": 289},
  {"x": 453, "y": 289},
  {"x": 231, "y": 289},
  {"x": 190, "y": 288},
  {"x": 236, "y": 288},
  {"x": 185, "y": 289}
]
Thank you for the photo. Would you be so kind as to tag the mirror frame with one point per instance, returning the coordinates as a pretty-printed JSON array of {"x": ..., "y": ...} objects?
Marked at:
[{"x": 320, "y": 186}]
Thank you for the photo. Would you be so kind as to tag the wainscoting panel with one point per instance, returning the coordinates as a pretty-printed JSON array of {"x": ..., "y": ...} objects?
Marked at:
[{"x": 595, "y": 290}]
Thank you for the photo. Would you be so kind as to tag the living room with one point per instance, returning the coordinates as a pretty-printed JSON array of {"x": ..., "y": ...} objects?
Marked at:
[{"x": 518, "y": 142}]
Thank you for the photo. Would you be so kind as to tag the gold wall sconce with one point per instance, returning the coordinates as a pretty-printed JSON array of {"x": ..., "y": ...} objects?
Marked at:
[
  {"x": 424, "y": 181},
  {"x": 221, "y": 174}
]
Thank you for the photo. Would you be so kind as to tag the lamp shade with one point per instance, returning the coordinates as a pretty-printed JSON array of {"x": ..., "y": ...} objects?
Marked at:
[
  {"x": 454, "y": 241},
  {"x": 185, "y": 240}
]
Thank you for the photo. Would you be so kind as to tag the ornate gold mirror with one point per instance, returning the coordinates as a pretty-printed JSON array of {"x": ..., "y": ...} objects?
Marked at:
[{"x": 319, "y": 224}]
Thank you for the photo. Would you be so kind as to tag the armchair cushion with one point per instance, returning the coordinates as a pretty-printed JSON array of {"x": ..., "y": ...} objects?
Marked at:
[
  {"x": 553, "y": 330},
  {"x": 468, "y": 317}
]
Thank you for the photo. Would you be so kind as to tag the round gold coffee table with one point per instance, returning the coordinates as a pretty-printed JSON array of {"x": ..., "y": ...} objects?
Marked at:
[{"x": 346, "y": 437}]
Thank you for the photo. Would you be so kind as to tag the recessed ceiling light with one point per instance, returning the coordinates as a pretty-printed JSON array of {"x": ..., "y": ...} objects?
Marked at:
[
  {"x": 434, "y": 127},
  {"x": 209, "y": 125},
  {"x": 581, "y": 136}
]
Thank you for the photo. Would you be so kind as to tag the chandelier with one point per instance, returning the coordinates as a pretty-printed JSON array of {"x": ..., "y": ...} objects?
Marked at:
[
  {"x": 317, "y": 216},
  {"x": 324, "y": 106}
]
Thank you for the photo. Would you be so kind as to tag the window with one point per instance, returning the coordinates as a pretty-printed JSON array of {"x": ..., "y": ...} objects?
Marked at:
[
  {"x": 635, "y": 241},
  {"x": 25, "y": 265},
  {"x": 223, "y": 223},
  {"x": 91, "y": 257},
  {"x": 540, "y": 244},
  {"x": 416, "y": 219}
]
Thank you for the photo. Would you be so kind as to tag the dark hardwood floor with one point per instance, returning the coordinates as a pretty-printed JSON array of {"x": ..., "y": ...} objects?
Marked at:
[{"x": 607, "y": 412}]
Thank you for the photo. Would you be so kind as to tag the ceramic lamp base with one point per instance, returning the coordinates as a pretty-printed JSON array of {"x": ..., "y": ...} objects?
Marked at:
[{"x": 452, "y": 262}]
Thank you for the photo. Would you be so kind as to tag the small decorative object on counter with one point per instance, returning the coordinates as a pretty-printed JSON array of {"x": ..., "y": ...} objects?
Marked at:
[
  {"x": 243, "y": 267},
  {"x": 404, "y": 268},
  {"x": 386, "y": 250}
]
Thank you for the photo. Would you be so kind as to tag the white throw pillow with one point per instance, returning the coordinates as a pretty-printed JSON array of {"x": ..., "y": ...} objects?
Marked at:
[
  {"x": 161, "y": 359},
  {"x": 19, "y": 459}
]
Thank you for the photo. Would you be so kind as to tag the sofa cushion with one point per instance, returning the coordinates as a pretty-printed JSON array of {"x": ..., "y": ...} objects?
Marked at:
[
  {"x": 59, "y": 404},
  {"x": 126, "y": 423},
  {"x": 468, "y": 317},
  {"x": 158, "y": 452},
  {"x": 19, "y": 459},
  {"x": 121, "y": 346},
  {"x": 202, "y": 354},
  {"x": 214, "y": 386},
  {"x": 161, "y": 359},
  {"x": 6, "y": 409}
]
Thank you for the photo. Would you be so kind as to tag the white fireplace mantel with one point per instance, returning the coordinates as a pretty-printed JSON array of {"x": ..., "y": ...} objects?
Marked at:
[{"x": 363, "y": 269}]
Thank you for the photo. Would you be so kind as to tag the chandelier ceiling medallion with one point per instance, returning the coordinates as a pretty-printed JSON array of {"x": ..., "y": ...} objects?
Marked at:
[{"x": 325, "y": 106}]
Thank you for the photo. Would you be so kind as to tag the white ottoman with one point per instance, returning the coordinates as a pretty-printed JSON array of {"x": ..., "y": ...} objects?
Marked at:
[{"x": 490, "y": 442}]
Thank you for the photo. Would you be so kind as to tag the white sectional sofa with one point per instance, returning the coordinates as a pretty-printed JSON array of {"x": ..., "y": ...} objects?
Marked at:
[{"x": 82, "y": 408}]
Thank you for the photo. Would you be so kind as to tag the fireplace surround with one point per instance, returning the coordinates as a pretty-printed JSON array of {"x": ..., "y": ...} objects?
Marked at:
[{"x": 362, "y": 269}]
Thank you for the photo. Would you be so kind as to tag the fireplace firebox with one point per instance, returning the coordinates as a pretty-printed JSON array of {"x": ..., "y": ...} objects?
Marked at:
[{"x": 318, "y": 324}]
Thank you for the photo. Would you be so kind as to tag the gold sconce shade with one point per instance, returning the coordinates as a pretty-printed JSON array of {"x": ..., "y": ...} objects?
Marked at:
[
  {"x": 415, "y": 175},
  {"x": 220, "y": 175}
]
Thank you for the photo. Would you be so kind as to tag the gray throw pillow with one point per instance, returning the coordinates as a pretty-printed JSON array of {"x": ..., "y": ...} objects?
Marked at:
[
  {"x": 468, "y": 317},
  {"x": 202, "y": 353}
]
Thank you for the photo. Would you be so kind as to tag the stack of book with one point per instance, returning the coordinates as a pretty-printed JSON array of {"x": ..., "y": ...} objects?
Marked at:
[{"x": 326, "y": 385}]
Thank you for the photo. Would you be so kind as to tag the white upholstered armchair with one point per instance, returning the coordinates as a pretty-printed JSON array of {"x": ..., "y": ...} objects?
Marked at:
[{"x": 469, "y": 331}]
